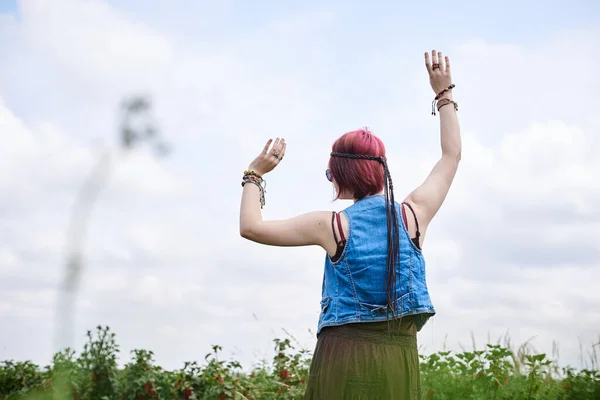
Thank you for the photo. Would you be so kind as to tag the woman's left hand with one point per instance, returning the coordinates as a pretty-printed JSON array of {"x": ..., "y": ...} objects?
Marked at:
[{"x": 267, "y": 160}]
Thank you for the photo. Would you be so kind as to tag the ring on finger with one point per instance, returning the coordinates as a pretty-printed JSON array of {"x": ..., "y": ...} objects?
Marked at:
[
  {"x": 435, "y": 66},
  {"x": 275, "y": 154}
]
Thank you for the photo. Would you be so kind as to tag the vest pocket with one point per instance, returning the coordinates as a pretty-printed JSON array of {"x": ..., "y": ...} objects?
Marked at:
[{"x": 374, "y": 309}]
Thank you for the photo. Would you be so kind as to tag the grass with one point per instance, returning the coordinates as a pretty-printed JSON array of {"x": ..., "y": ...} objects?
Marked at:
[{"x": 493, "y": 372}]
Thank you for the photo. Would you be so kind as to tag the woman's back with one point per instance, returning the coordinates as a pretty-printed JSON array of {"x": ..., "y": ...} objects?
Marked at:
[{"x": 354, "y": 285}]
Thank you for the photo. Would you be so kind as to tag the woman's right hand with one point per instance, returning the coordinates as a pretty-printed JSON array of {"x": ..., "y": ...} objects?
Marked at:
[
  {"x": 268, "y": 160},
  {"x": 438, "y": 68}
]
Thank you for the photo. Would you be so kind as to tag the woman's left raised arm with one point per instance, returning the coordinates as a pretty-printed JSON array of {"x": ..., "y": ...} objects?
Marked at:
[{"x": 304, "y": 230}]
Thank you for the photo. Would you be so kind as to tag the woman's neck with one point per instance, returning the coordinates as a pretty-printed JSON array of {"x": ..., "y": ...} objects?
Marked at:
[{"x": 371, "y": 195}]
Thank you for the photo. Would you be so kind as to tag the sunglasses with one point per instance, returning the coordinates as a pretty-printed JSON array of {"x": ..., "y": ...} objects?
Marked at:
[{"x": 328, "y": 174}]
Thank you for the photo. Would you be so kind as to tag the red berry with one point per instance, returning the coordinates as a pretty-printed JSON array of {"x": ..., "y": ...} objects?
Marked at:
[{"x": 284, "y": 374}]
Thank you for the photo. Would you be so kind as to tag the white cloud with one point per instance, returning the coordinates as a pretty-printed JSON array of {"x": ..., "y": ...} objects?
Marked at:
[{"x": 100, "y": 47}]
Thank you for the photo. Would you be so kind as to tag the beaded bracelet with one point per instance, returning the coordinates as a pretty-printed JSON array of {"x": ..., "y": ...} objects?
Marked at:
[
  {"x": 440, "y": 94},
  {"x": 437, "y": 97},
  {"x": 252, "y": 177},
  {"x": 253, "y": 173}
]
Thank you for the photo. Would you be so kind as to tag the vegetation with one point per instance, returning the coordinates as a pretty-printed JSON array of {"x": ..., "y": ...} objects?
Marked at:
[{"x": 494, "y": 373}]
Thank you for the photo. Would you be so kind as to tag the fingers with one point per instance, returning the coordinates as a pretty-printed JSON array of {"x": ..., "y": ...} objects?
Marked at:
[
  {"x": 436, "y": 62},
  {"x": 266, "y": 148},
  {"x": 428, "y": 62},
  {"x": 277, "y": 151},
  {"x": 275, "y": 148},
  {"x": 283, "y": 147},
  {"x": 278, "y": 148}
]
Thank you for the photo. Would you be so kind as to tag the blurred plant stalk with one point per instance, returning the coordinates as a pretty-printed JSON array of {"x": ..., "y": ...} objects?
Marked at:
[{"x": 137, "y": 128}]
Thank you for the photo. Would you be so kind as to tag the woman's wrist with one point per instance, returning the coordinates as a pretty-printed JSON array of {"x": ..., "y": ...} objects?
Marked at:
[{"x": 255, "y": 170}]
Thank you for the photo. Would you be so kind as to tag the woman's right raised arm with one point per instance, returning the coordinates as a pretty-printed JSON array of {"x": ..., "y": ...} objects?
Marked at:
[{"x": 429, "y": 196}]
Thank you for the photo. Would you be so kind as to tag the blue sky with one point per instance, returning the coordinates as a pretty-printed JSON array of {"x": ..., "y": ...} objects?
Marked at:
[
  {"x": 8, "y": 6},
  {"x": 382, "y": 21},
  {"x": 224, "y": 77},
  {"x": 508, "y": 20}
]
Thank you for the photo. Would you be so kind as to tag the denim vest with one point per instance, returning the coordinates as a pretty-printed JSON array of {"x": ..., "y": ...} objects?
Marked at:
[{"x": 354, "y": 287}]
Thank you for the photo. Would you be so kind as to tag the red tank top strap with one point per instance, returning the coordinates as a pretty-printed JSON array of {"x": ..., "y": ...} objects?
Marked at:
[
  {"x": 333, "y": 226},
  {"x": 339, "y": 223}
]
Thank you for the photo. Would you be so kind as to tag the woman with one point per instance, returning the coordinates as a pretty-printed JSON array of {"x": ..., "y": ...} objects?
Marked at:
[{"x": 375, "y": 297}]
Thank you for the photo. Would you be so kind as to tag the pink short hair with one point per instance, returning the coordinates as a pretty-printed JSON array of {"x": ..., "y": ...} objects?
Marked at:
[{"x": 362, "y": 178}]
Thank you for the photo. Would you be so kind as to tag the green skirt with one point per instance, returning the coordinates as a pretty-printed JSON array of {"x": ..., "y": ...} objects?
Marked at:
[{"x": 366, "y": 361}]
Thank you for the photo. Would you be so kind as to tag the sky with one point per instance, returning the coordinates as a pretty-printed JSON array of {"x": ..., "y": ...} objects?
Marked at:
[{"x": 513, "y": 251}]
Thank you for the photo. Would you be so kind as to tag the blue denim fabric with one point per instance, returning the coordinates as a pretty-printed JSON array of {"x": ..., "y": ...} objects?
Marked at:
[{"x": 354, "y": 287}]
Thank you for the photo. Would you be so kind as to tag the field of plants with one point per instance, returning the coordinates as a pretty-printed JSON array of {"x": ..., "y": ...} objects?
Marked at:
[{"x": 495, "y": 372}]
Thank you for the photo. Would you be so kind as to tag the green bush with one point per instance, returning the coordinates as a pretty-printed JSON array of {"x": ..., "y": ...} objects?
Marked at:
[{"x": 494, "y": 373}]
